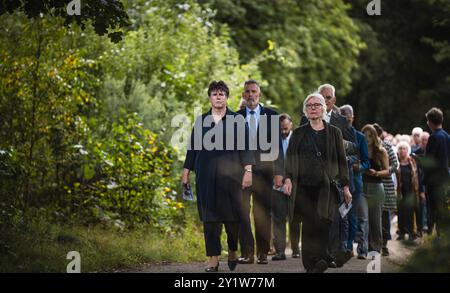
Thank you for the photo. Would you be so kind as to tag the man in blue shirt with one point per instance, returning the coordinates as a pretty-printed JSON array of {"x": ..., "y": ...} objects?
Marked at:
[
  {"x": 436, "y": 169},
  {"x": 358, "y": 218}
]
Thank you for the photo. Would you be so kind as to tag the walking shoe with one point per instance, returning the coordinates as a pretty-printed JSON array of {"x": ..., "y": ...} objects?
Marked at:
[
  {"x": 262, "y": 259},
  {"x": 332, "y": 264},
  {"x": 361, "y": 256},
  {"x": 279, "y": 256},
  {"x": 320, "y": 267},
  {"x": 246, "y": 260}
]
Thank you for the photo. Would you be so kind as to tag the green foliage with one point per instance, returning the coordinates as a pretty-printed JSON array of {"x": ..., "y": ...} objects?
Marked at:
[
  {"x": 313, "y": 41},
  {"x": 103, "y": 15},
  {"x": 167, "y": 61},
  {"x": 59, "y": 152},
  {"x": 404, "y": 67},
  {"x": 43, "y": 247},
  {"x": 126, "y": 177}
]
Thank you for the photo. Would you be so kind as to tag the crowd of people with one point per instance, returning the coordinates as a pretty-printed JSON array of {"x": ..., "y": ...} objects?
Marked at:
[{"x": 322, "y": 167}]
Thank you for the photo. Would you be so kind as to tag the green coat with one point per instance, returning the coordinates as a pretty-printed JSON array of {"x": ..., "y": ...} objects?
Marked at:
[{"x": 336, "y": 165}]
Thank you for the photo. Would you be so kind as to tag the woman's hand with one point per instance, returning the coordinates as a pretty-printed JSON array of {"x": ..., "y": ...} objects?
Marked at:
[
  {"x": 185, "y": 177},
  {"x": 287, "y": 186},
  {"x": 247, "y": 179},
  {"x": 347, "y": 195},
  {"x": 371, "y": 172}
]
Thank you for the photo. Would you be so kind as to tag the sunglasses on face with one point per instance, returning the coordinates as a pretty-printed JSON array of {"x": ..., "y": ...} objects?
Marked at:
[{"x": 328, "y": 97}]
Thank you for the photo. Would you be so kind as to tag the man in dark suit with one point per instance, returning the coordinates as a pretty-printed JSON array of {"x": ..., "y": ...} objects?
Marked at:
[
  {"x": 280, "y": 203},
  {"x": 263, "y": 176},
  {"x": 436, "y": 168}
]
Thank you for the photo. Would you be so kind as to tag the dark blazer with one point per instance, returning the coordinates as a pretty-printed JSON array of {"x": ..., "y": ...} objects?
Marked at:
[
  {"x": 335, "y": 164},
  {"x": 218, "y": 174},
  {"x": 274, "y": 167},
  {"x": 437, "y": 156},
  {"x": 340, "y": 122}
]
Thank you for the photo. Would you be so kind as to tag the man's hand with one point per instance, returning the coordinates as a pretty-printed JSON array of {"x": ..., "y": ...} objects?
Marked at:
[
  {"x": 247, "y": 180},
  {"x": 287, "y": 187},
  {"x": 422, "y": 196},
  {"x": 355, "y": 167},
  {"x": 278, "y": 181}
]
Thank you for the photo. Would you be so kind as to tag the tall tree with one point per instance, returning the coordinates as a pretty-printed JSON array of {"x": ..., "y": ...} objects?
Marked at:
[
  {"x": 404, "y": 70},
  {"x": 104, "y": 15},
  {"x": 313, "y": 42}
]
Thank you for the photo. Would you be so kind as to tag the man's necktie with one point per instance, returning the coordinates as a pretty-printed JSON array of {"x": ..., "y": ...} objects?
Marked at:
[{"x": 252, "y": 124}]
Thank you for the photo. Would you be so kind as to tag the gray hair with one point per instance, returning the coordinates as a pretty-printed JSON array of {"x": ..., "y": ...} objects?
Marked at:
[
  {"x": 417, "y": 130},
  {"x": 321, "y": 100},
  {"x": 405, "y": 145},
  {"x": 346, "y": 109},
  {"x": 327, "y": 86}
]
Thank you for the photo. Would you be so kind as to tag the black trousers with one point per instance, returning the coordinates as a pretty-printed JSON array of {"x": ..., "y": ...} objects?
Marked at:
[
  {"x": 260, "y": 191},
  {"x": 315, "y": 230},
  {"x": 438, "y": 212},
  {"x": 386, "y": 227},
  {"x": 294, "y": 235},
  {"x": 212, "y": 231},
  {"x": 279, "y": 216},
  {"x": 406, "y": 208}
]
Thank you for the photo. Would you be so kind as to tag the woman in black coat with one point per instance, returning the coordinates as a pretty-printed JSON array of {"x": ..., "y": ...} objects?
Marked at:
[
  {"x": 315, "y": 158},
  {"x": 223, "y": 167}
]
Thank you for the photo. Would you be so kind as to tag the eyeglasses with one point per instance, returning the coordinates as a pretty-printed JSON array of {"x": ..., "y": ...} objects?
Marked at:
[
  {"x": 313, "y": 106},
  {"x": 328, "y": 97}
]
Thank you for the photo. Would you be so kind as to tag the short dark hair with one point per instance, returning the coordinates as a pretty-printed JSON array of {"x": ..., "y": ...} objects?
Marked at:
[
  {"x": 285, "y": 116},
  {"x": 218, "y": 86},
  {"x": 251, "y": 81},
  {"x": 378, "y": 128},
  {"x": 435, "y": 116}
]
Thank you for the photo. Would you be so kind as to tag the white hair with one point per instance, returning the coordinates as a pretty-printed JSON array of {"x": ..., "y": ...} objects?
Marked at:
[
  {"x": 424, "y": 134},
  {"x": 404, "y": 144},
  {"x": 348, "y": 109},
  {"x": 321, "y": 100},
  {"x": 417, "y": 130},
  {"x": 327, "y": 86}
]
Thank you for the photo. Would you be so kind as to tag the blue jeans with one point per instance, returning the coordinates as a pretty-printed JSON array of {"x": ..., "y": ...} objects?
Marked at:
[{"x": 362, "y": 225}]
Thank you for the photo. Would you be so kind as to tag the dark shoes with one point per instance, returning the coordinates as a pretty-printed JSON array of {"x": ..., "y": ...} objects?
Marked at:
[
  {"x": 320, "y": 267},
  {"x": 296, "y": 255},
  {"x": 332, "y": 264},
  {"x": 343, "y": 257},
  {"x": 246, "y": 260},
  {"x": 232, "y": 264},
  {"x": 279, "y": 256},
  {"x": 212, "y": 269},
  {"x": 262, "y": 259}
]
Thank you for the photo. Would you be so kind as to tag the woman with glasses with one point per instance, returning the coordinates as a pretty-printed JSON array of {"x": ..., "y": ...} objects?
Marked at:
[{"x": 315, "y": 159}]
